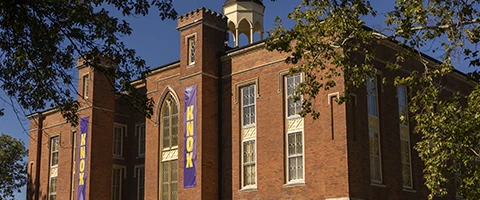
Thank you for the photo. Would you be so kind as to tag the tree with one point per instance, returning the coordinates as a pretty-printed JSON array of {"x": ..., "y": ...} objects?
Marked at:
[
  {"x": 40, "y": 41},
  {"x": 325, "y": 43},
  {"x": 13, "y": 168}
]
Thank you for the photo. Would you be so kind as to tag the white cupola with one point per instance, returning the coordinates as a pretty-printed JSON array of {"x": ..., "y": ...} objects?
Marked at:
[{"x": 244, "y": 16}]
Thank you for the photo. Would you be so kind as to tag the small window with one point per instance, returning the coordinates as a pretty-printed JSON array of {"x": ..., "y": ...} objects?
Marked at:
[
  {"x": 141, "y": 183},
  {"x": 375, "y": 157},
  {"x": 191, "y": 50},
  {"x": 295, "y": 157},
  {"x": 54, "y": 150},
  {"x": 141, "y": 139},
  {"x": 248, "y": 105},
  {"x": 404, "y": 138},
  {"x": 249, "y": 168},
  {"x": 117, "y": 183},
  {"x": 402, "y": 103},
  {"x": 372, "y": 96},
  {"x": 294, "y": 101},
  {"x": 85, "y": 86},
  {"x": 118, "y": 134},
  {"x": 53, "y": 188}
]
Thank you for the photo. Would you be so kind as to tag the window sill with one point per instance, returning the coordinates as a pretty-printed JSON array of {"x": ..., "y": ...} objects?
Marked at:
[
  {"x": 140, "y": 157},
  {"x": 295, "y": 184},
  {"x": 191, "y": 65},
  {"x": 118, "y": 157},
  {"x": 248, "y": 126},
  {"x": 409, "y": 190},
  {"x": 378, "y": 185},
  {"x": 294, "y": 117},
  {"x": 249, "y": 189}
]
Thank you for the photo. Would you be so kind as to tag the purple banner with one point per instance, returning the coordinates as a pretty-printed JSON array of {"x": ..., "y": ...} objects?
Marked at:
[
  {"x": 190, "y": 137},
  {"x": 82, "y": 160}
]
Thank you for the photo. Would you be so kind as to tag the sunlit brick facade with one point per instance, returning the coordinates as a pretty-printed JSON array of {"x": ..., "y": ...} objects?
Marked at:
[{"x": 249, "y": 141}]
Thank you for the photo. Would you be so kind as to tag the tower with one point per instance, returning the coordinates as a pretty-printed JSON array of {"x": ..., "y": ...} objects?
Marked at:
[{"x": 244, "y": 16}]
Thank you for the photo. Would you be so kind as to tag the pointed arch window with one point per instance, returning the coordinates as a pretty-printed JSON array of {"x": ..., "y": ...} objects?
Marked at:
[{"x": 169, "y": 149}]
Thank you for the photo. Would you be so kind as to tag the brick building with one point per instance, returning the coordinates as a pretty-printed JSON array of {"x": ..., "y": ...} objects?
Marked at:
[{"x": 225, "y": 127}]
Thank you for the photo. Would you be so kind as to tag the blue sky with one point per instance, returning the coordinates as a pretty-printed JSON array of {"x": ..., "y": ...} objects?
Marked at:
[{"x": 158, "y": 43}]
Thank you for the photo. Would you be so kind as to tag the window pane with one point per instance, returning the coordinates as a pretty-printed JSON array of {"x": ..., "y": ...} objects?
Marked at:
[
  {"x": 165, "y": 180},
  {"x": 166, "y": 126},
  {"x": 298, "y": 143},
  {"x": 291, "y": 144},
  {"x": 174, "y": 178},
  {"x": 300, "y": 167},
  {"x": 174, "y": 124},
  {"x": 292, "y": 163},
  {"x": 53, "y": 185}
]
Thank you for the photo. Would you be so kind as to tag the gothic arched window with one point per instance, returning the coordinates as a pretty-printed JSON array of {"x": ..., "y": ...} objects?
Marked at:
[{"x": 169, "y": 149}]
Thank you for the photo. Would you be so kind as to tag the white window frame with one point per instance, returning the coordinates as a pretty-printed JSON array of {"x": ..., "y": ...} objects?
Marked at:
[
  {"x": 251, "y": 124},
  {"x": 122, "y": 135},
  {"x": 288, "y": 96},
  {"x": 54, "y": 151},
  {"x": 137, "y": 174},
  {"x": 287, "y": 157},
  {"x": 53, "y": 167},
  {"x": 139, "y": 133},
  {"x": 122, "y": 175},
  {"x": 244, "y": 164},
  {"x": 191, "y": 40},
  {"x": 54, "y": 193},
  {"x": 405, "y": 124}
]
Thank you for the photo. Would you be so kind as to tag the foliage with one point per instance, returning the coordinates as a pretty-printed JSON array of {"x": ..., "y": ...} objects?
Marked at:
[
  {"x": 13, "y": 173},
  {"x": 42, "y": 39},
  {"x": 329, "y": 39}
]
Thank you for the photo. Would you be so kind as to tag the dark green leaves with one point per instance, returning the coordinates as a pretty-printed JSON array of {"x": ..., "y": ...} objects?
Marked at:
[
  {"x": 41, "y": 41},
  {"x": 13, "y": 169}
]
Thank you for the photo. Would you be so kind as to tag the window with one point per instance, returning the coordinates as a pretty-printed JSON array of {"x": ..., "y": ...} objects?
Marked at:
[
  {"x": 169, "y": 180},
  {"x": 191, "y": 50},
  {"x": 402, "y": 103},
  {"x": 374, "y": 131},
  {"x": 140, "y": 130},
  {"x": 372, "y": 96},
  {"x": 248, "y": 105},
  {"x": 375, "y": 157},
  {"x": 118, "y": 133},
  {"x": 249, "y": 175},
  {"x": 294, "y": 103},
  {"x": 170, "y": 124},
  {"x": 295, "y": 156},
  {"x": 141, "y": 183},
  {"x": 54, "y": 143},
  {"x": 169, "y": 154},
  {"x": 249, "y": 172},
  {"x": 85, "y": 86},
  {"x": 117, "y": 173},
  {"x": 404, "y": 138},
  {"x": 52, "y": 187},
  {"x": 294, "y": 159}
]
